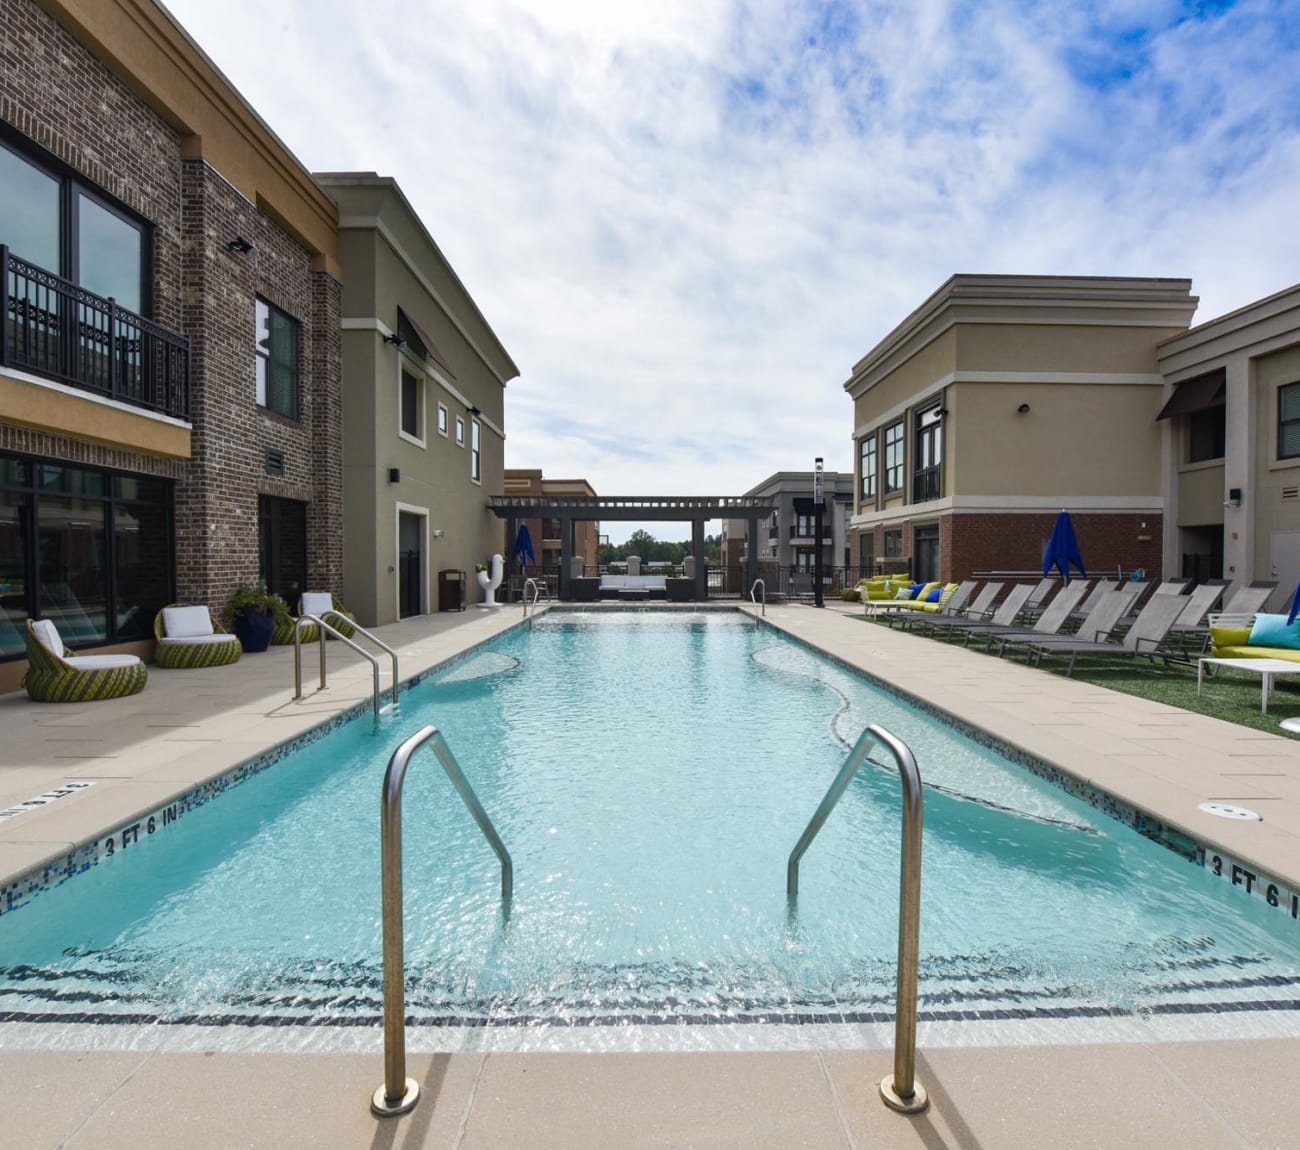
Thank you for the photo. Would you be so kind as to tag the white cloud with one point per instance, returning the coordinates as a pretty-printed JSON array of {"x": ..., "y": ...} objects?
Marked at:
[{"x": 687, "y": 221}]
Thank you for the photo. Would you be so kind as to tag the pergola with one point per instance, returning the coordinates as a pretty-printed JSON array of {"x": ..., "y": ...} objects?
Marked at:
[{"x": 697, "y": 510}]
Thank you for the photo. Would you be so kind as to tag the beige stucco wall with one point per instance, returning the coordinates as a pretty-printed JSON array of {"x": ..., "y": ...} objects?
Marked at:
[
  {"x": 912, "y": 380},
  {"x": 1076, "y": 439},
  {"x": 1110, "y": 348},
  {"x": 1272, "y": 512}
]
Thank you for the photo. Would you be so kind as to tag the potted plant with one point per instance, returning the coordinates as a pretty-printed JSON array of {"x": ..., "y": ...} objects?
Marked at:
[{"x": 250, "y": 616}]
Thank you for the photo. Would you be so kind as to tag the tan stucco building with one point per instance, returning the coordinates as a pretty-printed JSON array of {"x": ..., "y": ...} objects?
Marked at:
[
  {"x": 424, "y": 379},
  {"x": 1002, "y": 400},
  {"x": 546, "y": 531},
  {"x": 1231, "y": 444}
]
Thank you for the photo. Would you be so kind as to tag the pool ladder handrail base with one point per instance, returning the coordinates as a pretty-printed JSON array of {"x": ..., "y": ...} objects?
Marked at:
[
  {"x": 899, "y": 1091},
  {"x": 753, "y": 600},
  {"x": 537, "y": 592},
  {"x": 398, "y": 1094},
  {"x": 326, "y": 628}
]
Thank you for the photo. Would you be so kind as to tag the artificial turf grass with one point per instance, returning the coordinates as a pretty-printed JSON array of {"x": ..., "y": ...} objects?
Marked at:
[{"x": 1230, "y": 696}]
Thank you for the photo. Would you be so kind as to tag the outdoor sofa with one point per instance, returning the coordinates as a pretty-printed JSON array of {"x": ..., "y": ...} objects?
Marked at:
[{"x": 1254, "y": 636}]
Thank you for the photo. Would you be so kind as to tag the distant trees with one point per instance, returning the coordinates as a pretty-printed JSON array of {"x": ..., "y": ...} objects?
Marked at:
[{"x": 652, "y": 550}]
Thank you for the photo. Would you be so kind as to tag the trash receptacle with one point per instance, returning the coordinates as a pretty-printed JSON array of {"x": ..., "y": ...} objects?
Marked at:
[{"x": 451, "y": 590}]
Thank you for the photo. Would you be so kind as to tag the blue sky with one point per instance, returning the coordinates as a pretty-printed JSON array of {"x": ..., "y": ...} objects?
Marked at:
[{"x": 687, "y": 220}]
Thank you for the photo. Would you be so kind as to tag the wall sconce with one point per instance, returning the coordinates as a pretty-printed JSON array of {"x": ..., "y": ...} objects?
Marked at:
[
  {"x": 1234, "y": 497},
  {"x": 475, "y": 411},
  {"x": 396, "y": 340},
  {"x": 1023, "y": 409},
  {"x": 242, "y": 247},
  {"x": 438, "y": 533},
  {"x": 941, "y": 411},
  {"x": 394, "y": 475}
]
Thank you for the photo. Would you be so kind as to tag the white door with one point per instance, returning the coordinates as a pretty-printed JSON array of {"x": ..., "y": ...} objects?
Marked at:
[{"x": 1284, "y": 553}]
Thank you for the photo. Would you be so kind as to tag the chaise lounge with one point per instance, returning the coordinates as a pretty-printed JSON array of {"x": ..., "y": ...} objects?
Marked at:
[{"x": 56, "y": 675}]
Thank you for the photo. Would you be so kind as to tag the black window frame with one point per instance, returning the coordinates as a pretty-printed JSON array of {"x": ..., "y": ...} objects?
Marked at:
[
  {"x": 1283, "y": 425},
  {"x": 475, "y": 450},
  {"x": 894, "y": 452},
  {"x": 416, "y": 432},
  {"x": 867, "y": 447},
  {"x": 71, "y": 184},
  {"x": 892, "y": 534},
  {"x": 108, "y": 496},
  {"x": 276, "y": 518},
  {"x": 927, "y": 454},
  {"x": 294, "y": 325}
]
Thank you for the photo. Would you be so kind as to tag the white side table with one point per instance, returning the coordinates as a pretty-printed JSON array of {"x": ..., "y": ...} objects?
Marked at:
[{"x": 1265, "y": 668}]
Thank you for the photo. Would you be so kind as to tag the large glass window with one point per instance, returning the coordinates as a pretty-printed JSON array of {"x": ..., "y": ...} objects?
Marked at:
[
  {"x": 867, "y": 467},
  {"x": 894, "y": 544},
  {"x": 894, "y": 458},
  {"x": 90, "y": 550},
  {"x": 282, "y": 534},
  {"x": 412, "y": 406},
  {"x": 1288, "y": 421},
  {"x": 30, "y": 200},
  {"x": 109, "y": 254},
  {"x": 475, "y": 451},
  {"x": 867, "y": 552},
  {"x": 277, "y": 360}
]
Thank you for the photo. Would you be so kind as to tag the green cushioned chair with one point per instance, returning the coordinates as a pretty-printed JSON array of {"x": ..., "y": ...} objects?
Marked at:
[
  {"x": 68, "y": 678},
  {"x": 192, "y": 637}
]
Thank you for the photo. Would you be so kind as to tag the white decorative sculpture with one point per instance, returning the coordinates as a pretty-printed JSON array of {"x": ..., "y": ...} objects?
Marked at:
[{"x": 490, "y": 581}]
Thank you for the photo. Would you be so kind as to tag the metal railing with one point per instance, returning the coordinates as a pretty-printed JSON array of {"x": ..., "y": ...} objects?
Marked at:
[
  {"x": 536, "y": 594},
  {"x": 900, "y": 1090},
  {"x": 55, "y": 328},
  {"x": 399, "y": 1094},
  {"x": 325, "y": 628},
  {"x": 759, "y": 583}
]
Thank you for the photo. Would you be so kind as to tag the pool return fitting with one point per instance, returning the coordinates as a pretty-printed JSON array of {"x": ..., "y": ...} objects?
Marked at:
[
  {"x": 899, "y": 1091},
  {"x": 398, "y": 1094}
]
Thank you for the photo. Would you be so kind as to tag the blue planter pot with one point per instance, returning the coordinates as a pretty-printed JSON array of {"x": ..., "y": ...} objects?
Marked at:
[{"x": 253, "y": 629}]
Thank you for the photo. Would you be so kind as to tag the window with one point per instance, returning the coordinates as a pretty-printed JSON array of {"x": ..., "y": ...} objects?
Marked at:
[
  {"x": 442, "y": 419},
  {"x": 1288, "y": 421},
  {"x": 88, "y": 549},
  {"x": 50, "y": 219},
  {"x": 475, "y": 451},
  {"x": 867, "y": 551},
  {"x": 277, "y": 360},
  {"x": 412, "y": 403},
  {"x": 928, "y": 455},
  {"x": 894, "y": 544},
  {"x": 894, "y": 458},
  {"x": 282, "y": 536},
  {"x": 460, "y": 432},
  {"x": 1205, "y": 434},
  {"x": 867, "y": 467}
]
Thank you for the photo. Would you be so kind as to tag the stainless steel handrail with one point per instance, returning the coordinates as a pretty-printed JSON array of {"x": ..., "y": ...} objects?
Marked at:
[
  {"x": 759, "y": 583},
  {"x": 399, "y": 1094},
  {"x": 325, "y": 628},
  {"x": 531, "y": 582},
  {"x": 900, "y": 1090}
]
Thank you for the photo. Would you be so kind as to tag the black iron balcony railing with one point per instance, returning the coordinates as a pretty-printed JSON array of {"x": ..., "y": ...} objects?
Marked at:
[
  {"x": 925, "y": 485},
  {"x": 801, "y": 533},
  {"x": 54, "y": 328}
]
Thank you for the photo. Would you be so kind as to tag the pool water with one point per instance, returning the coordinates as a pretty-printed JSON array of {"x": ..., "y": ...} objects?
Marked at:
[{"x": 649, "y": 773}]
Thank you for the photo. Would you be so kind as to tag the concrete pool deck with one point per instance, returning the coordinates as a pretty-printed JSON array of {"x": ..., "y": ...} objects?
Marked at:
[{"x": 188, "y": 726}]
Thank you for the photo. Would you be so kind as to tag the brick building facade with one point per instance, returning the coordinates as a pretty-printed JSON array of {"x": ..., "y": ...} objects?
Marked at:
[{"x": 230, "y": 228}]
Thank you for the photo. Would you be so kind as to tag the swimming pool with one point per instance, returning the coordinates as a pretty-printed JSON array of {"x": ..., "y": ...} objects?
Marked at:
[{"x": 650, "y": 774}]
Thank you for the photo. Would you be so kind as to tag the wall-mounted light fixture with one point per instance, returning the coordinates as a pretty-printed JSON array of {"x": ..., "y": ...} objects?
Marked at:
[
  {"x": 1234, "y": 497},
  {"x": 242, "y": 247},
  {"x": 1023, "y": 409},
  {"x": 474, "y": 411},
  {"x": 396, "y": 340},
  {"x": 394, "y": 475},
  {"x": 941, "y": 411},
  {"x": 438, "y": 533}
]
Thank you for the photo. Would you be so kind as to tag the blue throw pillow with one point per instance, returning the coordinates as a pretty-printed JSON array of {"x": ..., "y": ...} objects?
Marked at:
[
  {"x": 933, "y": 597},
  {"x": 1272, "y": 631}
]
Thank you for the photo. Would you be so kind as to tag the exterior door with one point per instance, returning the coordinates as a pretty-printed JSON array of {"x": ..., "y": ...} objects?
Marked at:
[
  {"x": 1284, "y": 550},
  {"x": 925, "y": 554},
  {"x": 410, "y": 554}
]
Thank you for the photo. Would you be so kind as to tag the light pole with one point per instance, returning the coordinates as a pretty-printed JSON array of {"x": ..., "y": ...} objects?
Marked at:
[{"x": 818, "y": 504}]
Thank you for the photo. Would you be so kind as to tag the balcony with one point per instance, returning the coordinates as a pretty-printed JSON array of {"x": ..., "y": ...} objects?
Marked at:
[
  {"x": 926, "y": 485},
  {"x": 799, "y": 533},
  {"x": 55, "y": 329}
]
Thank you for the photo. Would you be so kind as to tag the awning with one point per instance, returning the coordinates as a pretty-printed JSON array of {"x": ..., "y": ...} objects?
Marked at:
[
  {"x": 427, "y": 347},
  {"x": 1196, "y": 395}
]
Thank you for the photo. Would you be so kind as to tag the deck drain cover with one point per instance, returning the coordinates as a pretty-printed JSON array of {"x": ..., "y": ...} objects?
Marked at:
[{"x": 1225, "y": 811}]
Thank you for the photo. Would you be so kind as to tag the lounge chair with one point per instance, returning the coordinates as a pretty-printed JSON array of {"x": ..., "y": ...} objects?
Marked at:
[
  {"x": 322, "y": 605},
  {"x": 1102, "y": 621},
  {"x": 1049, "y": 622},
  {"x": 56, "y": 675},
  {"x": 1248, "y": 600},
  {"x": 1190, "y": 624},
  {"x": 1006, "y": 614},
  {"x": 980, "y": 608},
  {"x": 1095, "y": 596},
  {"x": 1144, "y": 637},
  {"x": 191, "y": 637}
]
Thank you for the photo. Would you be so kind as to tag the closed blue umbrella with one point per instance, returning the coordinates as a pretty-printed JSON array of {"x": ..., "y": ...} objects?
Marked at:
[
  {"x": 523, "y": 546},
  {"x": 1295, "y": 606},
  {"x": 1063, "y": 549}
]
